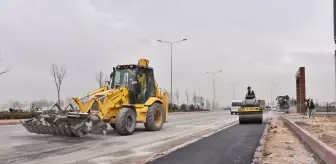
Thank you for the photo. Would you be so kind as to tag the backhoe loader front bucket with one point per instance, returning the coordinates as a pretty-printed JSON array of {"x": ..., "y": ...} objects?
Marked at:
[{"x": 64, "y": 123}]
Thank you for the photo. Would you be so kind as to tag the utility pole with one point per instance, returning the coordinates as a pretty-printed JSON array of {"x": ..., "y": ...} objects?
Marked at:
[
  {"x": 273, "y": 93},
  {"x": 214, "y": 91},
  {"x": 171, "y": 67},
  {"x": 213, "y": 85},
  {"x": 234, "y": 91}
]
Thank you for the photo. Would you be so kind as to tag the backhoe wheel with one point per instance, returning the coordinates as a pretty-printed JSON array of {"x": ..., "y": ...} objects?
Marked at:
[
  {"x": 155, "y": 117},
  {"x": 125, "y": 121},
  {"x": 113, "y": 126}
]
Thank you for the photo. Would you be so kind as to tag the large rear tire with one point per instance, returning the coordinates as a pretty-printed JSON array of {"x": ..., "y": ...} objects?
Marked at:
[
  {"x": 155, "y": 117},
  {"x": 125, "y": 121}
]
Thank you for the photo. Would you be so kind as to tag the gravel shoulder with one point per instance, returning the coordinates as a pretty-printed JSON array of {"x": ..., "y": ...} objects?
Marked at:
[
  {"x": 283, "y": 146},
  {"x": 321, "y": 127}
]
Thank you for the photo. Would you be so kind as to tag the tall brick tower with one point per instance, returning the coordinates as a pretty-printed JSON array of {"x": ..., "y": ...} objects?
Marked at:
[{"x": 300, "y": 79}]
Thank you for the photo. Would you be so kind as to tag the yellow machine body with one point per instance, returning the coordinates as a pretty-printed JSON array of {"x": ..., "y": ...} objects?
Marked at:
[
  {"x": 115, "y": 100},
  {"x": 251, "y": 111},
  {"x": 131, "y": 96}
]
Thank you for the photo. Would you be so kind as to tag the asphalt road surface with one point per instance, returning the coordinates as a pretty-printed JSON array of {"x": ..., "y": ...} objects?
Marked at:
[
  {"x": 19, "y": 146},
  {"x": 234, "y": 145}
]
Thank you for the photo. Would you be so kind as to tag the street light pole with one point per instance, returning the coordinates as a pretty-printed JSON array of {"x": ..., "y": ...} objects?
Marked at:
[
  {"x": 214, "y": 91},
  {"x": 234, "y": 88},
  {"x": 213, "y": 85},
  {"x": 234, "y": 91},
  {"x": 171, "y": 76},
  {"x": 271, "y": 95},
  {"x": 171, "y": 67}
]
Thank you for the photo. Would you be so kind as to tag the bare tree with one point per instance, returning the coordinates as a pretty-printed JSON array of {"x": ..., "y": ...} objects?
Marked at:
[
  {"x": 59, "y": 74},
  {"x": 202, "y": 102},
  {"x": 39, "y": 104},
  {"x": 15, "y": 104},
  {"x": 194, "y": 98},
  {"x": 207, "y": 104},
  {"x": 3, "y": 71},
  {"x": 187, "y": 96},
  {"x": 177, "y": 95},
  {"x": 100, "y": 78}
]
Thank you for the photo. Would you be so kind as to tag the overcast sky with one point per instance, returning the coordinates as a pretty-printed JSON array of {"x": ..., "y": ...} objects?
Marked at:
[{"x": 253, "y": 42}]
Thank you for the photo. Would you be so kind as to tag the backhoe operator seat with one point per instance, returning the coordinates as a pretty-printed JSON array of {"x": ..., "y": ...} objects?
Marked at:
[{"x": 141, "y": 78}]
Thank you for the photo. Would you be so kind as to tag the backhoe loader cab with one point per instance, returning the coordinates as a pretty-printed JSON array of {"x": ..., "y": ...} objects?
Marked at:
[
  {"x": 131, "y": 96},
  {"x": 139, "y": 81}
]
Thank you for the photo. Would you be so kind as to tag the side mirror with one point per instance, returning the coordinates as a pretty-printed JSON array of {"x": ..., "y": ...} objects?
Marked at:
[{"x": 107, "y": 83}]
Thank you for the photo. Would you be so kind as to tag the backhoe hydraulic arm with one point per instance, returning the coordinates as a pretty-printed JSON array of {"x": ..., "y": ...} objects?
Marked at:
[{"x": 105, "y": 99}]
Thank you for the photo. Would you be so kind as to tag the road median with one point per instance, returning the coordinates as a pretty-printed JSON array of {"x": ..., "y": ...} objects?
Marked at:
[{"x": 305, "y": 128}]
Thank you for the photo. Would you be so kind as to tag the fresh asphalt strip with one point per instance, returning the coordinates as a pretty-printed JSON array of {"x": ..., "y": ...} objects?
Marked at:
[{"x": 234, "y": 145}]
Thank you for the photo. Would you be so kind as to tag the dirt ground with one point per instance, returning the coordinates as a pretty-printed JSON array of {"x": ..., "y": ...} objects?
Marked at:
[
  {"x": 283, "y": 146},
  {"x": 321, "y": 127}
]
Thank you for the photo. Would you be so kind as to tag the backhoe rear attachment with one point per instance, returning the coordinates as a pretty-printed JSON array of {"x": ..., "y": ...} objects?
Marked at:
[{"x": 59, "y": 122}]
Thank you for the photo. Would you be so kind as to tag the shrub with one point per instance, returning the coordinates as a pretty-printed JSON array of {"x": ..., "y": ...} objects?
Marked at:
[
  {"x": 175, "y": 107},
  {"x": 183, "y": 107},
  {"x": 17, "y": 115}
]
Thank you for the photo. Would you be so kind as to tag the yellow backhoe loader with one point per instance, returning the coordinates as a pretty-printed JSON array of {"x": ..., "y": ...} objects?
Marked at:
[
  {"x": 131, "y": 96},
  {"x": 251, "y": 109}
]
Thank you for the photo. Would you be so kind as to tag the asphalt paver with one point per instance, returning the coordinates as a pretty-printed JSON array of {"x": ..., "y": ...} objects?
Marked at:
[{"x": 234, "y": 145}]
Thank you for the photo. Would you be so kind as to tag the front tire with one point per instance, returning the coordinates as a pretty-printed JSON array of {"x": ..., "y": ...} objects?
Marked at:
[
  {"x": 155, "y": 117},
  {"x": 125, "y": 121}
]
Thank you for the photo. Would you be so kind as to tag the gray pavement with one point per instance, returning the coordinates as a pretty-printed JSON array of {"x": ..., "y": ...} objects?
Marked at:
[
  {"x": 234, "y": 145},
  {"x": 19, "y": 146}
]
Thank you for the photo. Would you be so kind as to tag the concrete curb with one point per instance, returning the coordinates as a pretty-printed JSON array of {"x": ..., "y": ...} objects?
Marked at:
[
  {"x": 159, "y": 155},
  {"x": 259, "y": 153},
  {"x": 325, "y": 152},
  {"x": 10, "y": 122}
]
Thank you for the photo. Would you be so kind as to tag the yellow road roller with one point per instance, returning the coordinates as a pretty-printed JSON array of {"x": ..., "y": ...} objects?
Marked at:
[{"x": 251, "y": 110}]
